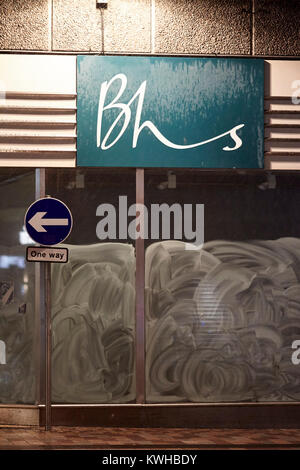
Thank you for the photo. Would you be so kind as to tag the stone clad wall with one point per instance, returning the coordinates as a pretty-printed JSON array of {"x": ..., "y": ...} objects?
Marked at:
[{"x": 226, "y": 27}]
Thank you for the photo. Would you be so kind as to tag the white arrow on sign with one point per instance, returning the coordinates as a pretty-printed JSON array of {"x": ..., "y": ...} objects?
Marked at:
[{"x": 37, "y": 221}]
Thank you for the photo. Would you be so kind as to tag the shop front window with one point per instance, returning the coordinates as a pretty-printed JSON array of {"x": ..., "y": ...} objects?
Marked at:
[
  {"x": 222, "y": 318},
  {"x": 222, "y": 289},
  {"x": 17, "y": 287},
  {"x": 93, "y": 295}
]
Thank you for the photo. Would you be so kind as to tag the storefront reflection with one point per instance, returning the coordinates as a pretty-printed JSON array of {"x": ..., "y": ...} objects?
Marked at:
[{"x": 17, "y": 291}]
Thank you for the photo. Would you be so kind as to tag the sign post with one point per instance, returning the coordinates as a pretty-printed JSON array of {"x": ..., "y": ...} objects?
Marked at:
[
  {"x": 48, "y": 368},
  {"x": 48, "y": 221}
]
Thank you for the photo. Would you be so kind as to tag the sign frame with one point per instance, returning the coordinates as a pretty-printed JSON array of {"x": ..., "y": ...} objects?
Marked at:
[{"x": 135, "y": 112}]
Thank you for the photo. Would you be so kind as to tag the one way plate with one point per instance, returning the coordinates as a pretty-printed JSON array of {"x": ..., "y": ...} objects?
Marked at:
[{"x": 45, "y": 254}]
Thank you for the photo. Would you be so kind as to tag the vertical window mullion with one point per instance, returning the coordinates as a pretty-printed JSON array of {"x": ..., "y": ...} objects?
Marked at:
[{"x": 140, "y": 297}]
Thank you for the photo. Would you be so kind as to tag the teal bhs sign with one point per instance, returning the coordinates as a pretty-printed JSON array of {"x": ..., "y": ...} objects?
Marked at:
[{"x": 170, "y": 112}]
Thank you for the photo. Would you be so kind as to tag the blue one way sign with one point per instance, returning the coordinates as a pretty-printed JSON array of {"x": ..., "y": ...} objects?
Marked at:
[{"x": 48, "y": 221}]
